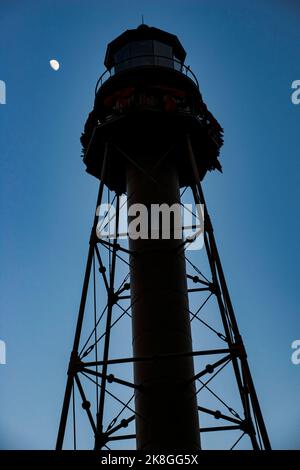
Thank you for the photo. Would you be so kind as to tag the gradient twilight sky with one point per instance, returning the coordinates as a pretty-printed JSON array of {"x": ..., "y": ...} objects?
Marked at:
[{"x": 245, "y": 55}]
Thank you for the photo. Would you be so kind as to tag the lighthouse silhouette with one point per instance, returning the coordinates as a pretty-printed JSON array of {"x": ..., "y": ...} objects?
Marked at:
[{"x": 151, "y": 138}]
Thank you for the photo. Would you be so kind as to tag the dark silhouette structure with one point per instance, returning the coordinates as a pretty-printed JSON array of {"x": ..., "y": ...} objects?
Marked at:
[{"x": 150, "y": 136}]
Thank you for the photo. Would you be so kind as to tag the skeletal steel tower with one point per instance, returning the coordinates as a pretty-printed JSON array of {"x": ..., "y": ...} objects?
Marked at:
[{"x": 151, "y": 137}]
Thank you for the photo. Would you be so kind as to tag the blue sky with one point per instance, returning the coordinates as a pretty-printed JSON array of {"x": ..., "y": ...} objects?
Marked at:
[{"x": 245, "y": 55}]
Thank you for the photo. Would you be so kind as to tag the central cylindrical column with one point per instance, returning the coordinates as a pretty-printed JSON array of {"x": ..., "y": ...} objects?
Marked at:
[{"x": 166, "y": 406}]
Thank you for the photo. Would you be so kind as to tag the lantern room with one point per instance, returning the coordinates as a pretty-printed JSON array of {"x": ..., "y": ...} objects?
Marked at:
[{"x": 144, "y": 46}]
